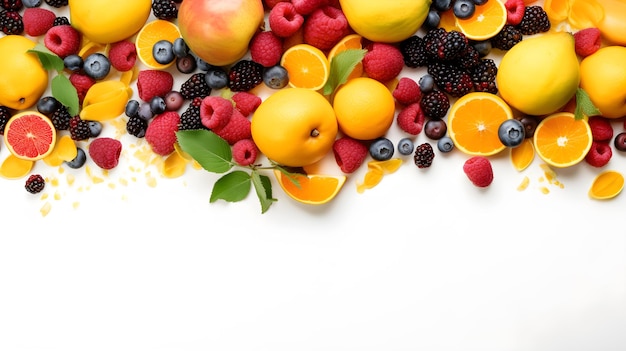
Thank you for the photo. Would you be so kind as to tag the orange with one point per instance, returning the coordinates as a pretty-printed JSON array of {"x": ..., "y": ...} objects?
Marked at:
[
  {"x": 307, "y": 66},
  {"x": 473, "y": 123},
  {"x": 310, "y": 189},
  {"x": 151, "y": 33},
  {"x": 561, "y": 140},
  {"x": 447, "y": 20},
  {"x": 351, "y": 41},
  {"x": 488, "y": 19},
  {"x": 30, "y": 135},
  {"x": 607, "y": 185}
]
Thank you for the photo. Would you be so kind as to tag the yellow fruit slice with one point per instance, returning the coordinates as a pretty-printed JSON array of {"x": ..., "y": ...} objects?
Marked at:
[
  {"x": 307, "y": 66},
  {"x": 151, "y": 33},
  {"x": 523, "y": 155},
  {"x": 311, "y": 189},
  {"x": 105, "y": 100},
  {"x": 351, "y": 41},
  {"x": 387, "y": 166},
  {"x": 561, "y": 140},
  {"x": 488, "y": 19},
  {"x": 585, "y": 13},
  {"x": 14, "y": 168},
  {"x": 557, "y": 10},
  {"x": 64, "y": 150},
  {"x": 371, "y": 179},
  {"x": 30, "y": 135},
  {"x": 473, "y": 123},
  {"x": 174, "y": 165},
  {"x": 607, "y": 185}
]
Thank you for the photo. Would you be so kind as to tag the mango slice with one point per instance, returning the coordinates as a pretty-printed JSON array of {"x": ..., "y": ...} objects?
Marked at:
[
  {"x": 15, "y": 168},
  {"x": 105, "y": 100},
  {"x": 64, "y": 150},
  {"x": 606, "y": 185}
]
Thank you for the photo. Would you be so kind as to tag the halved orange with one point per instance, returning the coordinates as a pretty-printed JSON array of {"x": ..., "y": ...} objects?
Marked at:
[
  {"x": 473, "y": 123},
  {"x": 350, "y": 41},
  {"x": 307, "y": 66},
  {"x": 607, "y": 185},
  {"x": 487, "y": 21},
  {"x": 151, "y": 33},
  {"x": 311, "y": 189},
  {"x": 30, "y": 135},
  {"x": 561, "y": 140}
]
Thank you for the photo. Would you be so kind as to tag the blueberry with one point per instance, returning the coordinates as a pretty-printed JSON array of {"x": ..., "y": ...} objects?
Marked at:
[
  {"x": 79, "y": 160},
  {"x": 132, "y": 108},
  {"x": 186, "y": 64},
  {"x": 95, "y": 128},
  {"x": 432, "y": 19},
  {"x": 442, "y": 5},
  {"x": 405, "y": 146},
  {"x": 203, "y": 65},
  {"x": 73, "y": 62},
  {"x": 464, "y": 8},
  {"x": 32, "y": 3},
  {"x": 276, "y": 77},
  {"x": 180, "y": 48},
  {"x": 435, "y": 128},
  {"x": 174, "y": 100},
  {"x": 145, "y": 112},
  {"x": 511, "y": 132},
  {"x": 483, "y": 47},
  {"x": 445, "y": 144},
  {"x": 47, "y": 105},
  {"x": 620, "y": 141},
  {"x": 157, "y": 105},
  {"x": 479, "y": 2},
  {"x": 216, "y": 78},
  {"x": 381, "y": 149},
  {"x": 426, "y": 83},
  {"x": 97, "y": 66},
  {"x": 530, "y": 124},
  {"x": 162, "y": 52}
]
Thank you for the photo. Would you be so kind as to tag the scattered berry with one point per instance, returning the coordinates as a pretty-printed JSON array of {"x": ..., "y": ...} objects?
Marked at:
[
  {"x": 174, "y": 100},
  {"x": 445, "y": 45},
  {"x": 164, "y": 9},
  {"x": 190, "y": 118},
  {"x": 483, "y": 76},
  {"x": 325, "y": 26},
  {"x": 216, "y": 78},
  {"x": 79, "y": 128},
  {"x": 73, "y": 62},
  {"x": 463, "y": 8},
  {"x": 600, "y": 154},
  {"x": 186, "y": 64},
  {"x": 435, "y": 129},
  {"x": 411, "y": 118},
  {"x": 161, "y": 132},
  {"x": 123, "y": 55},
  {"x": 535, "y": 20},
  {"x": 511, "y": 132},
  {"x": 245, "y": 152},
  {"x": 47, "y": 105},
  {"x": 152, "y": 82},
  {"x": 405, "y": 146},
  {"x": 445, "y": 144},
  {"x": 63, "y": 40},
  {"x": 37, "y": 21},
  {"x": 479, "y": 171},
  {"x": 136, "y": 126},
  {"x": 383, "y": 62},
  {"x": 620, "y": 141},
  {"x": 587, "y": 41},
  {"x": 424, "y": 155},
  {"x": 57, "y": 3},
  {"x": 97, "y": 65},
  {"x": 163, "y": 52},
  {"x": 414, "y": 53},
  {"x": 349, "y": 153},
  {"x": 381, "y": 149},
  {"x": 61, "y": 118},
  {"x": 306, "y": 7},
  {"x": 105, "y": 152},
  {"x": 435, "y": 104},
  {"x": 79, "y": 160},
  {"x": 11, "y": 22},
  {"x": 530, "y": 124},
  {"x": 35, "y": 183},
  {"x": 507, "y": 37},
  {"x": 407, "y": 91},
  {"x": 157, "y": 105},
  {"x": 276, "y": 77},
  {"x": 451, "y": 78}
]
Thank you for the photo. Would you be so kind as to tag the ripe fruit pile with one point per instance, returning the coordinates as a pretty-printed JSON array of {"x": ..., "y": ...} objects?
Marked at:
[{"x": 315, "y": 82}]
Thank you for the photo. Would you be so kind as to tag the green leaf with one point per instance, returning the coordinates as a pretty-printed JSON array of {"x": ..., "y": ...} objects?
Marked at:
[
  {"x": 64, "y": 91},
  {"x": 263, "y": 188},
  {"x": 231, "y": 187},
  {"x": 207, "y": 148},
  {"x": 584, "y": 105},
  {"x": 48, "y": 59},
  {"x": 340, "y": 68}
]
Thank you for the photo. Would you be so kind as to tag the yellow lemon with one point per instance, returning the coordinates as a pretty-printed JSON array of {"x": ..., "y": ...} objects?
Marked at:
[
  {"x": 603, "y": 77},
  {"x": 23, "y": 80}
]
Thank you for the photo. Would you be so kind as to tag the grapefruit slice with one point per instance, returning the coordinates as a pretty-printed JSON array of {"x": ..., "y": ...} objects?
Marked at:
[{"x": 30, "y": 135}]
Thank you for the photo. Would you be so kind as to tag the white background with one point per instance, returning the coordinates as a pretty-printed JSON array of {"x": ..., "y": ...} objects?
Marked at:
[{"x": 424, "y": 261}]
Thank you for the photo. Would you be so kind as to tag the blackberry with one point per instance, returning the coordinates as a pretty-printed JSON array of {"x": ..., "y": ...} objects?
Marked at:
[
  {"x": 12, "y": 5},
  {"x": 245, "y": 75},
  {"x": 5, "y": 115},
  {"x": 164, "y": 9},
  {"x": 424, "y": 155},
  {"x": 451, "y": 78},
  {"x": 506, "y": 38},
  {"x": 35, "y": 183},
  {"x": 443, "y": 45},
  {"x": 190, "y": 118},
  {"x": 535, "y": 20},
  {"x": 469, "y": 58},
  {"x": 484, "y": 76},
  {"x": 414, "y": 52},
  {"x": 136, "y": 126},
  {"x": 435, "y": 104},
  {"x": 57, "y": 3},
  {"x": 61, "y": 118},
  {"x": 79, "y": 129},
  {"x": 11, "y": 22},
  {"x": 60, "y": 21},
  {"x": 195, "y": 86}
]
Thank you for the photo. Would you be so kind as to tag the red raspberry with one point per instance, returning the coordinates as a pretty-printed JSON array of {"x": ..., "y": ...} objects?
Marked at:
[
  {"x": 601, "y": 128},
  {"x": 514, "y": 11},
  {"x": 153, "y": 82},
  {"x": 349, "y": 153},
  {"x": 63, "y": 40},
  {"x": 82, "y": 83},
  {"x": 325, "y": 27},
  {"x": 266, "y": 48},
  {"x": 105, "y": 152},
  {"x": 161, "y": 132},
  {"x": 587, "y": 41},
  {"x": 411, "y": 119},
  {"x": 284, "y": 20},
  {"x": 245, "y": 152},
  {"x": 37, "y": 21},
  {"x": 306, "y": 7},
  {"x": 479, "y": 171},
  {"x": 123, "y": 55},
  {"x": 215, "y": 112},
  {"x": 269, "y": 4},
  {"x": 383, "y": 61},
  {"x": 407, "y": 91},
  {"x": 600, "y": 154},
  {"x": 246, "y": 102},
  {"x": 237, "y": 128}
]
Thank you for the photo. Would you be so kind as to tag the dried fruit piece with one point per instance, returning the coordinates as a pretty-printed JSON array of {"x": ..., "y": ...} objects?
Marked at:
[
  {"x": 606, "y": 185},
  {"x": 523, "y": 155}
]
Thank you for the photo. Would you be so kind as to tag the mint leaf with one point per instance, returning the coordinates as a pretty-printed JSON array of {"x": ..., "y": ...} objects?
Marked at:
[
  {"x": 340, "y": 68},
  {"x": 64, "y": 91},
  {"x": 48, "y": 59},
  {"x": 263, "y": 188},
  {"x": 207, "y": 148},
  {"x": 231, "y": 187},
  {"x": 584, "y": 105}
]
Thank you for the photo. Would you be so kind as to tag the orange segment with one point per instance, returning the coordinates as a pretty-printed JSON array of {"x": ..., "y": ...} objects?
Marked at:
[
  {"x": 30, "y": 135},
  {"x": 561, "y": 140},
  {"x": 488, "y": 19},
  {"x": 523, "y": 155},
  {"x": 149, "y": 34},
  {"x": 307, "y": 66},
  {"x": 311, "y": 189},
  {"x": 351, "y": 41},
  {"x": 447, "y": 20},
  {"x": 607, "y": 185},
  {"x": 474, "y": 120}
]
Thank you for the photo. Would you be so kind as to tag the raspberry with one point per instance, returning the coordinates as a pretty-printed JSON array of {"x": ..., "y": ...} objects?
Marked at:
[
  {"x": 79, "y": 128},
  {"x": 63, "y": 40},
  {"x": 37, "y": 21},
  {"x": 479, "y": 171},
  {"x": 587, "y": 41},
  {"x": 152, "y": 82},
  {"x": 245, "y": 75},
  {"x": 269, "y": 4},
  {"x": 266, "y": 48},
  {"x": 514, "y": 11},
  {"x": 284, "y": 20},
  {"x": 82, "y": 83},
  {"x": 35, "y": 183},
  {"x": 123, "y": 55},
  {"x": 600, "y": 154},
  {"x": 161, "y": 132},
  {"x": 411, "y": 119},
  {"x": 237, "y": 128},
  {"x": 424, "y": 155},
  {"x": 407, "y": 91},
  {"x": 349, "y": 153},
  {"x": 105, "y": 152},
  {"x": 195, "y": 86},
  {"x": 215, "y": 112},
  {"x": 383, "y": 62},
  {"x": 306, "y": 7},
  {"x": 245, "y": 152},
  {"x": 435, "y": 104},
  {"x": 164, "y": 9},
  {"x": 324, "y": 27},
  {"x": 601, "y": 128},
  {"x": 11, "y": 22},
  {"x": 246, "y": 102}
]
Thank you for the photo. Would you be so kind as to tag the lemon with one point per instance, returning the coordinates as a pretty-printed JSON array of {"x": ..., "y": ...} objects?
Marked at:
[{"x": 23, "y": 80}]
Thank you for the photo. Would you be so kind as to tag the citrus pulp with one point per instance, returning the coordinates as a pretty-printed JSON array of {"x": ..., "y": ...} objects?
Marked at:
[
  {"x": 561, "y": 140},
  {"x": 30, "y": 135},
  {"x": 310, "y": 189},
  {"x": 307, "y": 66}
]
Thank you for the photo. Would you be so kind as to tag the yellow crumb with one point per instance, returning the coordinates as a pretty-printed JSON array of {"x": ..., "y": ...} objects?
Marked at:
[
  {"x": 524, "y": 184},
  {"x": 544, "y": 190},
  {"x": 75, "y": 204},
  {"x": 45, "y": 209}
]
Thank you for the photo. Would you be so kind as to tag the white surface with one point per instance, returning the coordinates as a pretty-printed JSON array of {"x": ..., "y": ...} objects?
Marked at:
[{"x": 424, "y": 261}]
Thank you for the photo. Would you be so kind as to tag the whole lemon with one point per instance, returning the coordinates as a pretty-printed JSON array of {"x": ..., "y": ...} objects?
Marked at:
[
  {"x": 23, "y": 80},
  {"x": 603, "y": 77},
  {"x": 365, "y": 108},
  {"x": 294, "y": 127},
  {"x": 109, "y": 21}
]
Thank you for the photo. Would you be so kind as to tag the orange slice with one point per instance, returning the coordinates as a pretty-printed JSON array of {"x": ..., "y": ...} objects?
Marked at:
[
  {"x": 488, "y": 19},
  {"x": 447, "y": 20},
  {"x": 151, "y": 33},
  {"x": 607, "y": 185},
  {"x": 561, "y": 140},
  {"x": 311, "y": 189},
  {"x": 351, "y": 41},
  {"x": 474, "y": 120},
  {"x": 307, "y": 66},
  {"x": 523, "y": 155},
  {"x": 30, "y": 135}
]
